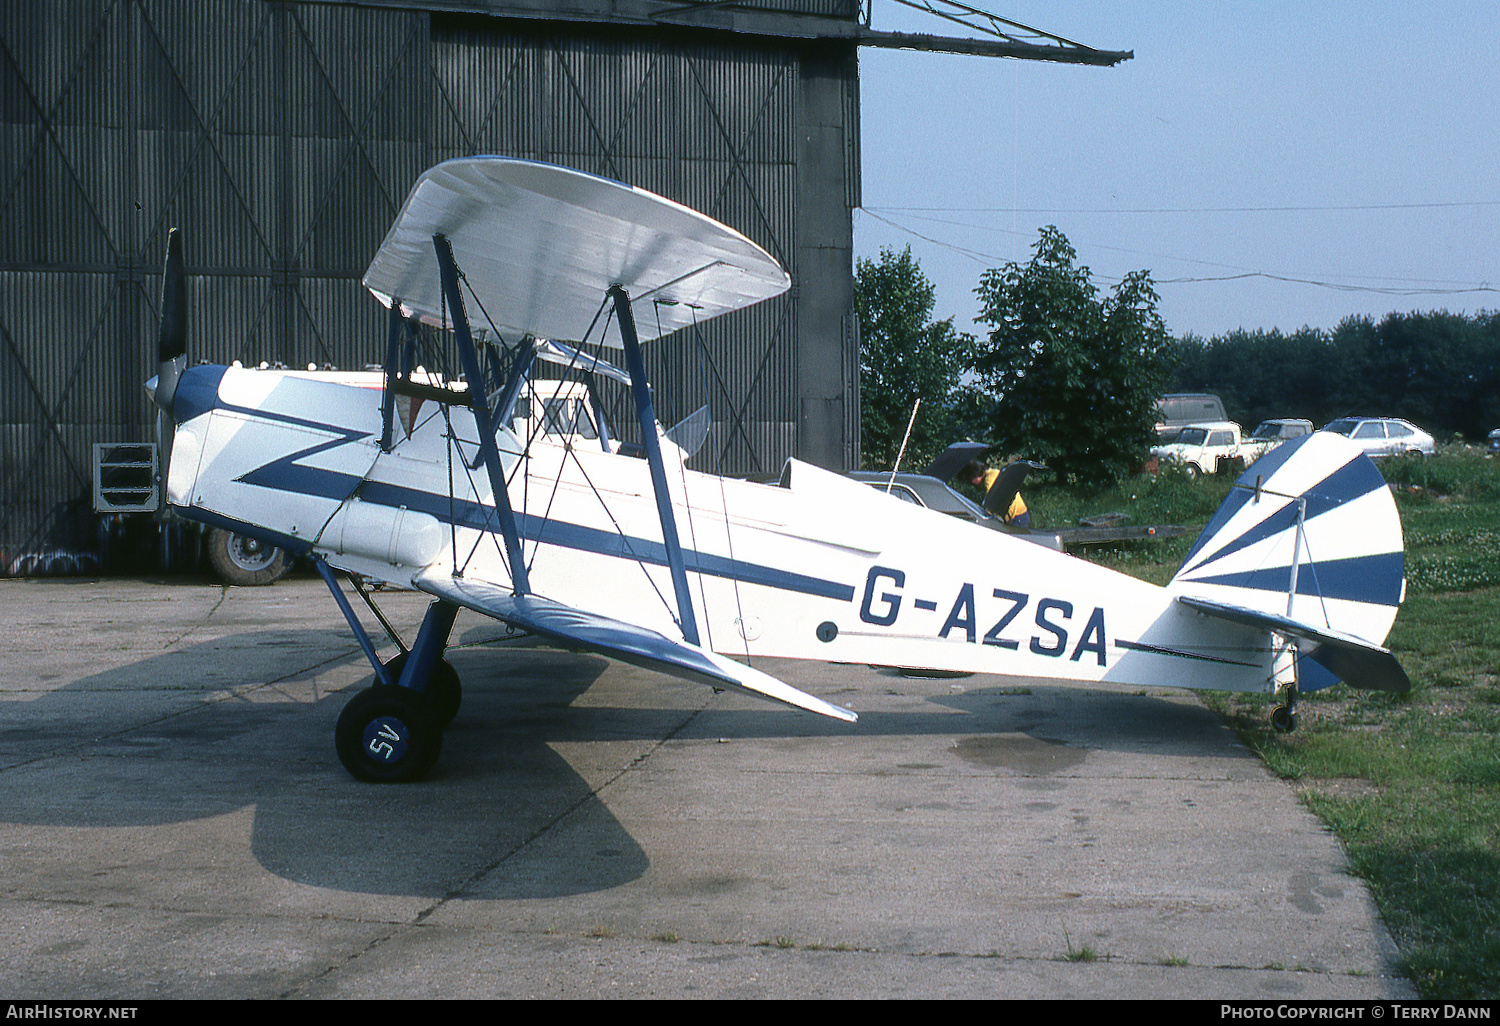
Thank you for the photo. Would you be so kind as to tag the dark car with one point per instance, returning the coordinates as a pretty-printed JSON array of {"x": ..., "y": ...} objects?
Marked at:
[
  {"x": 933, "y": 494},
  {"x": 929, "y": 492}
]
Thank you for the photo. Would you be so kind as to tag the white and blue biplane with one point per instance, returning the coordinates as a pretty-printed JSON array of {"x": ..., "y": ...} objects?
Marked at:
[{"x": 502, "y": 491}]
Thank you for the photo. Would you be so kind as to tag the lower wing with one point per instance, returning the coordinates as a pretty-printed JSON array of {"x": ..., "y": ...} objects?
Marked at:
[{"x": 581, "y": 630}]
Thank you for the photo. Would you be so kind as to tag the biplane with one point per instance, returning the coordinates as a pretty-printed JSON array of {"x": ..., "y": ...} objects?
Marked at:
[{"x": 479, "y": 467}]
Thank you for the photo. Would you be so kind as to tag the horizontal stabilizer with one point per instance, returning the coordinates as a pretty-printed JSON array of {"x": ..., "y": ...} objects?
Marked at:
[
  {"x": 578, "y": 629},
  {"x": 1355, "y": 661}
]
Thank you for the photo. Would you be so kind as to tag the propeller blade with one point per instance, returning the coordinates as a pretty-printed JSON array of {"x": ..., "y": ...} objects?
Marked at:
[
  {"x": 171, "y": 353},
  {"x": 171, "y": 340},
  {"x": 165, "y": 434}
]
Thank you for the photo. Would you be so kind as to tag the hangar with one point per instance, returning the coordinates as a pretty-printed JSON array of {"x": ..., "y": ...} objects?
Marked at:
[{"x": 282, "y": 136}]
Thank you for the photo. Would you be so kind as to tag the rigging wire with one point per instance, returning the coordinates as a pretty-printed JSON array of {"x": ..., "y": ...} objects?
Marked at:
[{"x": 739, "y": 606}]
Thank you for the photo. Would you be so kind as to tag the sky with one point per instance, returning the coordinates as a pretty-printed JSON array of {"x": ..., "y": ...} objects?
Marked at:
[{"x": 1351, "y": 147}]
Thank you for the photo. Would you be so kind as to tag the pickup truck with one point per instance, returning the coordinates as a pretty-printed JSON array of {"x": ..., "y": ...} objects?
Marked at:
[
  {"x": 1272, "y": 433},
  {"x": 1204, "y": 448}
]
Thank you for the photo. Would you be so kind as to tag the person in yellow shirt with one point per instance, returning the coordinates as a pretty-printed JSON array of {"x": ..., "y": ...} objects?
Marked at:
[{"x": 984, "y": 478}]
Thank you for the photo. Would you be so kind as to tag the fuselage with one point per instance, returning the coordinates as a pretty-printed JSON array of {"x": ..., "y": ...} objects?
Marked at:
[{"x": 819, "y": 568}]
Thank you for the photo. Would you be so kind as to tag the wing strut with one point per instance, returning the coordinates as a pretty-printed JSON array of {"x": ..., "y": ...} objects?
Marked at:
[
  {"x": 480, "y": 405},
  {"x": 641, "y": 390}
]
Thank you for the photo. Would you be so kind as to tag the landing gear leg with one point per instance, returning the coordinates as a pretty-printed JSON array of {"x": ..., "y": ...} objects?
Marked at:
[
  {"x": 393, "y": 732},
  {"x": 425, "y": 670}
]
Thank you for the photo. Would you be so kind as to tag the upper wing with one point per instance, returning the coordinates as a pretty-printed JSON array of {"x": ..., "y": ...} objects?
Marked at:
[
  {"x": 542, "y": 244},
  {"x": 579, "y": 629}
]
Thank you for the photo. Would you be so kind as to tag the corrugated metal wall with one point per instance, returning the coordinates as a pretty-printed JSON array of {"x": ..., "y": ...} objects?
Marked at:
[{"x": 282, "y": 137}]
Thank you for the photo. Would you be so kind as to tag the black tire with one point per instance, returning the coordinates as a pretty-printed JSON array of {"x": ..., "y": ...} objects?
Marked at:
[
  {"x": 1283, "y": 719},
  {"x": 443, "y": 693},
  {"x": 241, "y": 560},
  {"x": 1191, "y": 470},
  {"x": 386, "y": 735}
]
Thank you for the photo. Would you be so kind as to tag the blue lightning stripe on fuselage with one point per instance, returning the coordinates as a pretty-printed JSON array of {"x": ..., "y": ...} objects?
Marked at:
[
  {"x": 287, "y": 475},
  {"x": 465, "y": 513},
  {"x": 284, "y": 474}
]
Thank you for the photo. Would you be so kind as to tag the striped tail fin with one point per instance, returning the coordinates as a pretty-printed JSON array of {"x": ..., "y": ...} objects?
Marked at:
[{"x": 1309, "y": 535}]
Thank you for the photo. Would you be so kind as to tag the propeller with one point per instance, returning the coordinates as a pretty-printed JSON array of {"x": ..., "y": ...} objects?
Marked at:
[{"x": 171, "y": 349}]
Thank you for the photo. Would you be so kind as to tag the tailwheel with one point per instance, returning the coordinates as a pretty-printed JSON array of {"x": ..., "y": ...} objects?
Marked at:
[
  {"x": 388, "y": 735},
  {"x": 443, "y": 693},
  {"x": 1284, "y": 717}
]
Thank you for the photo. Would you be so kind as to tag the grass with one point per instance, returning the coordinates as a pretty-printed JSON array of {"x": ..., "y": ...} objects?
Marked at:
[
  {"x": 1410, "y": 783},
  {"x": 1081, "y": 953}
]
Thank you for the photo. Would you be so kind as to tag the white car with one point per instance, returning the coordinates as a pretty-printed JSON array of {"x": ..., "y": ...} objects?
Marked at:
[
  {"x": 1202, "y": 448},
  {"x": 1384, "y": 436}
]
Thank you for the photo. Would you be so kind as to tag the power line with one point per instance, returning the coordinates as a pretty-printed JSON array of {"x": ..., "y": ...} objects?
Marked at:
[
  {"x": 980, "y": 256},
  {"x": 1387, "y": 291},
  {"x": 1187, "y": 210}
]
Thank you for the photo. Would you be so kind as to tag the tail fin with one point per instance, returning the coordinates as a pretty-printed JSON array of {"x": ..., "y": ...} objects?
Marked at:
[{"x": 1345, "y": 575}]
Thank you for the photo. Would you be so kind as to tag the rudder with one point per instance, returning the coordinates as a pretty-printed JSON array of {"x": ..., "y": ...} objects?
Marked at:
[{"x": 1350, "y": 564}]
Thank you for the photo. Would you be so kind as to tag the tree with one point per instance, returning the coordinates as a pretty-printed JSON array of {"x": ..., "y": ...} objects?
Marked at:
[
  {"x": 1437, "y": 369},
  {"x": 1075, "y": 378},
  {"x": 905, "y": 356},
  {"x": 1264, "y": 374}
]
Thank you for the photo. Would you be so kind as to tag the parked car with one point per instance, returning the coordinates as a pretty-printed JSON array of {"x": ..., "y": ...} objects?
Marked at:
[
  {"x": 1384, "y": 436},
  {"x": 1272, "y": 433},
  {"x": 1203, "y": 448},
  {"x": 1495, "y": 441},
  {"x": 1179, "y": 409},
  {"x": 921, "y": 490}
]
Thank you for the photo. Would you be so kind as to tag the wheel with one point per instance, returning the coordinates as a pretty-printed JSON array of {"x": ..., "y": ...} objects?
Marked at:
[
  {"x": 240, "y": 559},
  {"x": 1283, "y": 719},
  {"x": 443, "y": 693},
  {"x": 1191, "y": 470},
  {"x": 386, "y": 736}
]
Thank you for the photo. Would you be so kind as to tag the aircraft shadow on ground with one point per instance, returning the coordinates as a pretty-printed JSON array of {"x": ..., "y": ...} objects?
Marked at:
[
  {"x": 502, "y": 806},
  {"x": 498, "y": 792}
]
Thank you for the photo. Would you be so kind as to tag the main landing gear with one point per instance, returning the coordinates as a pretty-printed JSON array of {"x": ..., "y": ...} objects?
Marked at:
[{"x": 393, "y": 730}]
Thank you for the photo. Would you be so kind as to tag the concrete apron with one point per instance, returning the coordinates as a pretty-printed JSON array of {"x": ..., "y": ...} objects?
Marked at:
[{"x": 174, "y": 823}]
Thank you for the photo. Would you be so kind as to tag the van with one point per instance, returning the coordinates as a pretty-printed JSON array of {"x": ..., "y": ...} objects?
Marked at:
[{"x": 1182, "y": 408}]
